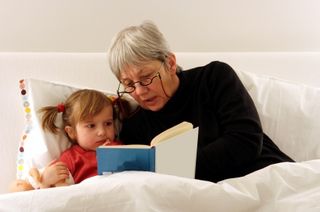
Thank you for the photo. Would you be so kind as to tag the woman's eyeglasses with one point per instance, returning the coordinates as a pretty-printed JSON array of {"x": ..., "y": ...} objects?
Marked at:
[{"x": 123, "y": 89}]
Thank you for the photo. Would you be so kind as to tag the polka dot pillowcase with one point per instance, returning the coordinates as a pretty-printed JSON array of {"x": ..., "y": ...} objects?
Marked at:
[{"x": 38, "y": 147}]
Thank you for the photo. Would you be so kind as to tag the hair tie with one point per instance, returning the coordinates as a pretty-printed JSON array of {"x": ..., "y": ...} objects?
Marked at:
[
  {"x": 60, "y": 108},
  {"x": 113, "y": 99}
]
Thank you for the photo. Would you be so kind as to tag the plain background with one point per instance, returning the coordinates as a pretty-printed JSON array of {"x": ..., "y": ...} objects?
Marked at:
[{"x": 201, "y": 26}]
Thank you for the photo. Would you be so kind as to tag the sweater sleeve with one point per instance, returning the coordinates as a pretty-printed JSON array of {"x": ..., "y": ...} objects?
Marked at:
[
  {"x": 237, "y": 137},
  {"x": 67, "y": 159}
]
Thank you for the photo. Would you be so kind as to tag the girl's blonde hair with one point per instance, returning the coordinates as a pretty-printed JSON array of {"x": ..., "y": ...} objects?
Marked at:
[{"x": 79, "y": 106}]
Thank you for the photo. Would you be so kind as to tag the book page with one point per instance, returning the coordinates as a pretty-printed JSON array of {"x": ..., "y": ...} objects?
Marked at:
[
  {"x": 171, "y": 132},
  {"x": 178, "y": 155}
]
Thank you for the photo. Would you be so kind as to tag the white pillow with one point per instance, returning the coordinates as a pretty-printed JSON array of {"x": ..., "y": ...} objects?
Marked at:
[
  {"x": 289, "y": 113},
  {"x": 38, "y": 147}
]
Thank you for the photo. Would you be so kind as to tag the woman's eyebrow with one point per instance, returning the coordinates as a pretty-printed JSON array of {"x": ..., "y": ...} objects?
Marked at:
[{"x": 141, "y": 74}]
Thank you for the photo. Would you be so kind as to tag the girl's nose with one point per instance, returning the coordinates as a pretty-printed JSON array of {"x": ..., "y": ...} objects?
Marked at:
[{"x": 101, "y": 131}]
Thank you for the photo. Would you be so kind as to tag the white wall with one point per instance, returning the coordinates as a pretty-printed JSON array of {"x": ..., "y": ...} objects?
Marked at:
[{"x": 202, "y": 25}]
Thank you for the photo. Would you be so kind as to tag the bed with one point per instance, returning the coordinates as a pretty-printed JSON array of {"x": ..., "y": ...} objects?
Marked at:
[{"x": 285, "y": 88}]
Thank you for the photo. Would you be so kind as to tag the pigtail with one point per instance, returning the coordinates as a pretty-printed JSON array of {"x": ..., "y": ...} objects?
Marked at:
[
  {"x": 123, "y": 108},
  {"x": 49, "y": 116}
]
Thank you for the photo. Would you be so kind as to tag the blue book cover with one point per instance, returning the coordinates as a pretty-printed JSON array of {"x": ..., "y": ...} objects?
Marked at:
[
  {"x": 125, "y": 158},
  {"x": 172, "y": 152}
]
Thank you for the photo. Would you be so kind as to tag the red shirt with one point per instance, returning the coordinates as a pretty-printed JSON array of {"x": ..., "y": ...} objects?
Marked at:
[{"x": 81, "y": 163}]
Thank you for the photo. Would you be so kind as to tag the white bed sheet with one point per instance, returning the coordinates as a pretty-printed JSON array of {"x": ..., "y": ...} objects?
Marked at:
[{"x": 279, "y": 187}]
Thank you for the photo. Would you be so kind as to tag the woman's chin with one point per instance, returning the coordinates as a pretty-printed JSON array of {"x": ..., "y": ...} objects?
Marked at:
[{"x": 154, "y": 105}]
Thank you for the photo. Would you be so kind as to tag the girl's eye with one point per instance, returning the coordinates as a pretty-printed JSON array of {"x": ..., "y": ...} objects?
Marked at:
[
  {"x": 90, "y": 125},
  {"x": 108, "y": 123}
]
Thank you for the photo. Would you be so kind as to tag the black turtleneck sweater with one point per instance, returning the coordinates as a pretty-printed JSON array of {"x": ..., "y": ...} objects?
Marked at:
[{"x": 231, "y": 142}]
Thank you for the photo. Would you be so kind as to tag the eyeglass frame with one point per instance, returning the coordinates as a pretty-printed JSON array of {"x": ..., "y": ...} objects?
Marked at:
[{"x": 157, "y": 74}]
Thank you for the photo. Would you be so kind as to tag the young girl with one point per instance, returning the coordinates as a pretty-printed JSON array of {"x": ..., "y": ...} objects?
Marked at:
[{"x": 88, "y": 122}]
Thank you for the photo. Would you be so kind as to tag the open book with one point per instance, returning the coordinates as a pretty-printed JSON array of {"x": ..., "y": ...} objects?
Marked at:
[{"x": 173, "y": 152}]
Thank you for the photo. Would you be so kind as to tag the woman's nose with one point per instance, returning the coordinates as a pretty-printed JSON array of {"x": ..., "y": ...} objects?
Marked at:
[{"x": 140, "y": 89}]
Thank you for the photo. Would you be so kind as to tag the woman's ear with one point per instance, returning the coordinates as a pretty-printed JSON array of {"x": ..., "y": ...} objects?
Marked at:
[
  {"x": 172, "y": 63},
  {"x": 71, "y": 132}
]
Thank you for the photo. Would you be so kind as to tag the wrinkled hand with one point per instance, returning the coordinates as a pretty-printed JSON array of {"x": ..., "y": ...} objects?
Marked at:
[{"x": 53, "y": 173}]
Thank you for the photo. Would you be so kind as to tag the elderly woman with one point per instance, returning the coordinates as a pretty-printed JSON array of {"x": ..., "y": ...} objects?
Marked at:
[{"x": 231, "y": 141}]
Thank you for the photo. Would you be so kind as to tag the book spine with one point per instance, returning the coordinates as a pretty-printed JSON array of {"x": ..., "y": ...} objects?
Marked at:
[{"x": 152, "y": 159}]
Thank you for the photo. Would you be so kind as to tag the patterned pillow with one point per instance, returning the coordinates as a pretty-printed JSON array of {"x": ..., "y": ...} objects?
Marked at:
[{"x": 38, "y": 147}]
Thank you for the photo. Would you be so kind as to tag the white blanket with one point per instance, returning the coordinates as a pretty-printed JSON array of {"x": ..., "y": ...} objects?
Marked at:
[{"x": 280, "y": 187}]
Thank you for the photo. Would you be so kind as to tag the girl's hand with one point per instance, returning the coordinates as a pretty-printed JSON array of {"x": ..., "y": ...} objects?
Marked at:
[
  {"x": 111, "y": 143},
  {"x": 53, "y": 173}
]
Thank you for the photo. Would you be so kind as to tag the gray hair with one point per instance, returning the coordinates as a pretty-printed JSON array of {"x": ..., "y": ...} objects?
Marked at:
[{"x": 136, "y": 45}]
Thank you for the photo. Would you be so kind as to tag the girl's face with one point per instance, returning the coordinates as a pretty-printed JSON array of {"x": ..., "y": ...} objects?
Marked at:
[
  {"x": 96, "y": 130},
  {"x": 154, "y": 96}
]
